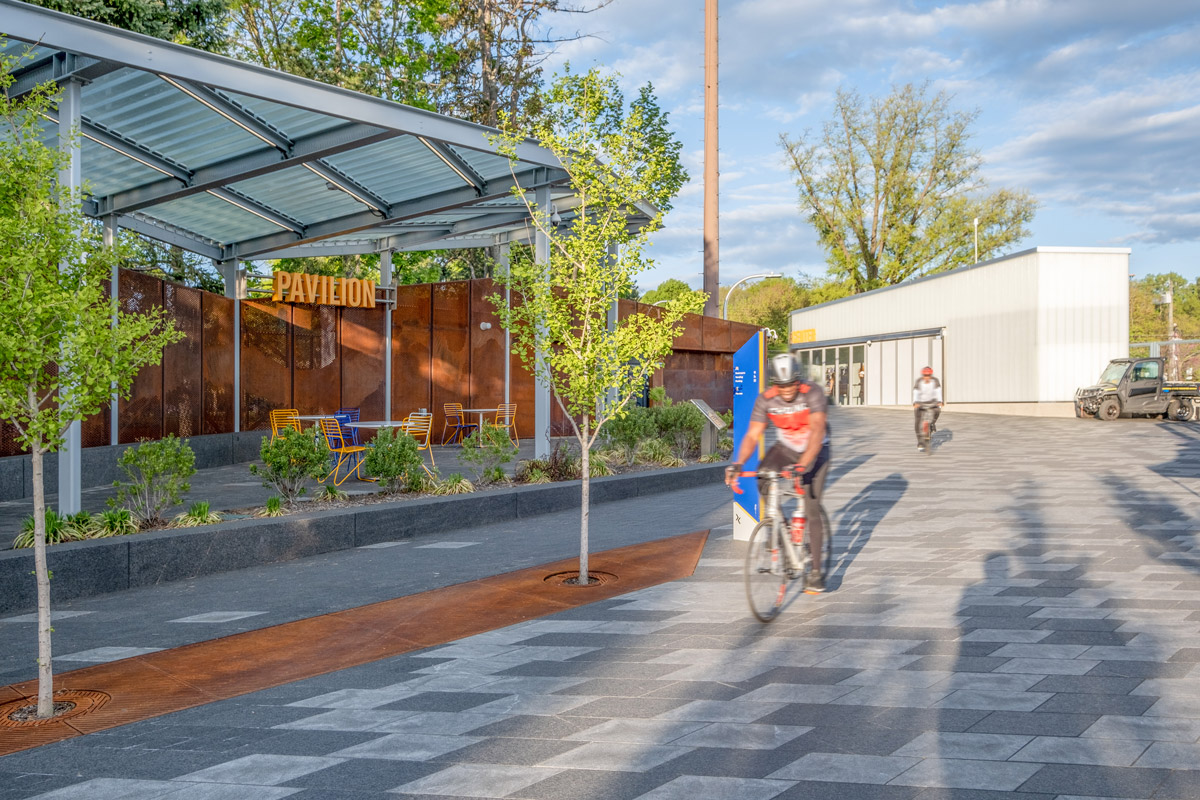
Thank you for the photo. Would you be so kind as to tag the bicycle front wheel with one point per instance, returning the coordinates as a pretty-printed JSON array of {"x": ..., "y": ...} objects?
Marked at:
[{"x": 766, "y": 577}]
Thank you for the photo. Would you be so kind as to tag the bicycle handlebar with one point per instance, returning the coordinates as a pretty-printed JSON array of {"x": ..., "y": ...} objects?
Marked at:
[{"x": 787, "y": 473}]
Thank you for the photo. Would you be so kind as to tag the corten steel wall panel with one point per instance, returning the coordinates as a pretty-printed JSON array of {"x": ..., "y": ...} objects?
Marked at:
[
  {"x": 9, "y": 446},
  {"x": 412, "y": 335},
  {"x": 740, "y": 333},
  {"x": 217, "y": 363},
  {"x": 362, "y": 360},
  {"x": 715, "y": 335},
  {"x": 266, "y": 361},
  {"x": 451, "y": 365},
  {"x": 141, "y": 416},
  {"x": 95, "y": 430},
  {"x": 521, "y": 388},
  {"x": 487, "y": 347},
  {"x": 182, "y": 362},
  {"x": 316, "y": 370},
  {"x": 692, "y": 337}
]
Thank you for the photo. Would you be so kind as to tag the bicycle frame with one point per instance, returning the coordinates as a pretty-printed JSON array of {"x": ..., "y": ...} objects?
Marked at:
[{"x": 780, "y": 485}]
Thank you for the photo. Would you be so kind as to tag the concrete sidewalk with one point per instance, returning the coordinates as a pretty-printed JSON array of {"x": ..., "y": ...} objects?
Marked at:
[{"x": 1017, "y": 616}]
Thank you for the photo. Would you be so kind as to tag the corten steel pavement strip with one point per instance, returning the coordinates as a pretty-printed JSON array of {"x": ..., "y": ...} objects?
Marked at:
[{"x": 171, "y": 680}]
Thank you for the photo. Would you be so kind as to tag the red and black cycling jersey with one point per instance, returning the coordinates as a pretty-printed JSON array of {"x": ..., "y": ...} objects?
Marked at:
[{"x": 791, "y": 419}]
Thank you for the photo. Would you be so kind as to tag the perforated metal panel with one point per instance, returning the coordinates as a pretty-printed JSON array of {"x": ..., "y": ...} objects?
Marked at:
[
  {"x": 266, "y": 361},
  {"x": 412, "y": 336},
  {"x": 316, "y": 370},
  {"x": 362, "y": 360},
  {"x": 487, "y": 348},
  {"x": 451, "y": 366},
  {"x": 182, "y": 363},
  {"x": 141, "y": 416},
  {"x": 217, "y": 363}
]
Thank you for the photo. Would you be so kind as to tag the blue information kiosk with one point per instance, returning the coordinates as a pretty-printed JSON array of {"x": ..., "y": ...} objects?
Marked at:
[{"x": 749, "y": 366}]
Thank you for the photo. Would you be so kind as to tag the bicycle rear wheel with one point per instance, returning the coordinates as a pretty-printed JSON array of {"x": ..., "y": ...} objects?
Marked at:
[{"x": 766, "y": 578}]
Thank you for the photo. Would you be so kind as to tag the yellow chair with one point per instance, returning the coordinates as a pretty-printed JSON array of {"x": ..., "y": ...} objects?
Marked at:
[
  {"x": 345, "y": 452},
  {"x": 282, "y": 419},
  {"x": 420, "y": 426},
  {"x": 506, "y": 417},
  {"x": 455, "y": 423}
]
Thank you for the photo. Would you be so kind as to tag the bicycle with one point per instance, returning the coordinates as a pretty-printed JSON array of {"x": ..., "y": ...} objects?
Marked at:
[
  {"x": 774, "y": 560},
  {"x": 927, "y": 410}
]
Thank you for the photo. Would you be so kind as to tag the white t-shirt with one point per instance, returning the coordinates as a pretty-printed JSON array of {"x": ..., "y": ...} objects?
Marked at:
[{"x": 927, "y": 391}]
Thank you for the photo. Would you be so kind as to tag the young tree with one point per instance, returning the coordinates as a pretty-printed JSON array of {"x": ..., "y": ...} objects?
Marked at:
[
  {"x": 623, "y": 162},
  {"x": 768, "y": 304},
  {"x": 60, "y": 352},
  {"x": 893, "y": 186}
]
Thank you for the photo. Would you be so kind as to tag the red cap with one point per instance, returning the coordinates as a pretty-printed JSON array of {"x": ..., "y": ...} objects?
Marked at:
[{"x": 927, "y": 371}]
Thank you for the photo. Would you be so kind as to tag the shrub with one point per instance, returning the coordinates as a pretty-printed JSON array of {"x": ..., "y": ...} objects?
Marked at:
[
  {"x": 495, "y": 475},
  {"x": 680, "y": 426},
  {"x": 116, "y": 522},
  {"x": 332, "y": 494},
  {"x": 395, "y": 461},
  {"x": 58, "y": 529},
  {"x": 532, "y": 474},
  {"x": 598, "y": 468},
  {"x": 157, "y": 473},
  {"x": 656, "y": 451},
  {"x": 629, "y": 430},
  {"x": 454, "y": 484},
  {"x": 562, "y": 465},
  {"x": 486, "y": 450},
  {"x": 197, "y": 514},
  {"x": 289, "y": 460},
  {"x": 274, "y": 508}
]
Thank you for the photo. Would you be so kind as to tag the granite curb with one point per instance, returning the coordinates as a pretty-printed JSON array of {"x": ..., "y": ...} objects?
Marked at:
[{"x": 86, "y": 569}]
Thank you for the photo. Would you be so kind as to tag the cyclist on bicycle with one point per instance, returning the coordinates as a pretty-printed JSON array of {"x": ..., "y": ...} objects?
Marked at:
[
  {"x": 797, "y": 409},
  {"x": 927, "y": 392}
]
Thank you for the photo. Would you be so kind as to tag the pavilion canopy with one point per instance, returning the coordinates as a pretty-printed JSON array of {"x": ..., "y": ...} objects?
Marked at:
[{"x": 236, "y": 161}]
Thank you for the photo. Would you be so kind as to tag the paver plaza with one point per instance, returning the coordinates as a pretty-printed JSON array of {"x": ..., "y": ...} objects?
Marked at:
[{"x": 1016, "y": 617}]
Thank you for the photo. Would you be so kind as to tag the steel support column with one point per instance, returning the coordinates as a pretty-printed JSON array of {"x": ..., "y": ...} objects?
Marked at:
[
  {"x": 610, "y": 396},
  {"x": 541, "y": 387},
  {"x": 114, "y": 292},
  {"x": 70, "y": 180},
  {"x": 235, "y": 287},
  {"x": 504, "y": 265},
  {"x": 385, "y": 280}
]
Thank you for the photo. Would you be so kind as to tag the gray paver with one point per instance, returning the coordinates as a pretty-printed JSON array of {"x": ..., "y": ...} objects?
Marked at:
[
  {"x": 478, "y": 780},
  {"x": 978, "y": 746},
  {"x": 616, "y": 756},
  {"x": 689, "y": 787},
  {"x": 965, "y": 774},
  {"x": 261, "y": 770},
  {"x": 843, "y": 768}
]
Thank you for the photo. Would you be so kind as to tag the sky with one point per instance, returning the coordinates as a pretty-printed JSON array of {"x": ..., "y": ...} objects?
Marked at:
[{"x": 1091, "y": 105}]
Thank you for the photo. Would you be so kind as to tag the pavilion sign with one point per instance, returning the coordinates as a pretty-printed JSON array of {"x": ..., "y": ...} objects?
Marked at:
[{"x": 323, "y": 290}]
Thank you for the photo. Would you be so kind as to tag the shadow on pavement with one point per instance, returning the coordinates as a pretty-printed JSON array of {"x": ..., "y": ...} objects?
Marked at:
[{"x": 854, "y": 523}]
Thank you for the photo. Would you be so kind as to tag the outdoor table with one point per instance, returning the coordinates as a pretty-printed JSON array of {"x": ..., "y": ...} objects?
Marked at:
[{"x": 480, "y": 412}]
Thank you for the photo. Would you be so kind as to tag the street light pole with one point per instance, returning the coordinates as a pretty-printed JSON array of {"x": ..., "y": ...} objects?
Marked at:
[{"x": 725, "y": 305}]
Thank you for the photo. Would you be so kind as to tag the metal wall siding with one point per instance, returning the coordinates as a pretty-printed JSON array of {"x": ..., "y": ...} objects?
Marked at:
[
  {"x": 412, "y": 335},
  {"x": 217, "y": 363},
  {"x": 521, "y": 388},
  {"x": 266, "y": 361},
  {"x": 451, "y": 361},
  {"x": 316, "y": 369},
  {"x": 362, "y": 360},
  {"x": 182, "y": 363},
  {"x": 1083, "y": 320},
  {"x": 487, "y": 348},
  {"x": 141, "y": 416}
]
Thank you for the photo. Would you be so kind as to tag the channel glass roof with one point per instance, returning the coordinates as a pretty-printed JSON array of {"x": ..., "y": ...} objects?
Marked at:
[{"x": 232, "y": 160}]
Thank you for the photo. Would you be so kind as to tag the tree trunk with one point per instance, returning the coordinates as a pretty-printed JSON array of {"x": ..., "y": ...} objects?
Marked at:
[
  {"x": 45, "y": 703},
  {"x": 583, "y": 519}
]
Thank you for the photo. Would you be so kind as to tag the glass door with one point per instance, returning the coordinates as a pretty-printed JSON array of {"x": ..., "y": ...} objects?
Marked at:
[{"x": 858, "y": 375}]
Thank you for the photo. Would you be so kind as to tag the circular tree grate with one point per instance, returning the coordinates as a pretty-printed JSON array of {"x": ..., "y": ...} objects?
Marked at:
[
  {"x": 571, "y": 578},
  {"x": 68, "y": 703}
]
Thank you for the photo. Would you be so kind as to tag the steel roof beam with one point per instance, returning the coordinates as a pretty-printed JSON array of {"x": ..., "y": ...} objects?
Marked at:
[
  {"x": 430, "y": 204},
  {"x": 240, "y": 168},
  {"x": 134, "y": 150},
  {"x": 56, "y": 68},
  {"x": 458, "y": 165},
  {"x": 168, "y": 234},
  {"x": 235, "y": 113},
  {"x": 53, "y": 29},
  {"x": 247, "y": 203},
  {"x": 348, "y": 185},
  {"x": 420, "y": 237}
]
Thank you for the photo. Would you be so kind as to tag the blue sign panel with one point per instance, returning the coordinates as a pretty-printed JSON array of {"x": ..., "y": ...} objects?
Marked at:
[{"x": 748, "y": 367}]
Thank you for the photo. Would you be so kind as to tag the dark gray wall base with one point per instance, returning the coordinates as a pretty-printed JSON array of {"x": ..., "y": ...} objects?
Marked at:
[
  {"x": 100, "y": 463},
  {"x": 85, "y": 569}
]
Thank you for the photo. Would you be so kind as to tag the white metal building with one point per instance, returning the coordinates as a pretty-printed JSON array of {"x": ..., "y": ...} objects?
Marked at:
[{"x": 1005, "y": 334}]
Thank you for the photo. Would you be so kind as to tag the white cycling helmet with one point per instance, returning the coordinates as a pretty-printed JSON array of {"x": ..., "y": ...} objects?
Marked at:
[{"x": 782, "y": 369}]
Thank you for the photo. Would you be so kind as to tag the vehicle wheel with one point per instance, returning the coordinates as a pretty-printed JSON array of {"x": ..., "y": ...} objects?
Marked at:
[
  {"x": 826, "y": 546},
  {"x": 1179, "y": 410},
  {"x": 766, "y": 579},
  {"x": 1109, "y": 410}
]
